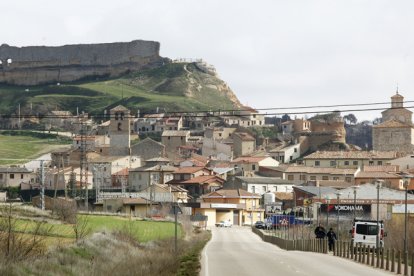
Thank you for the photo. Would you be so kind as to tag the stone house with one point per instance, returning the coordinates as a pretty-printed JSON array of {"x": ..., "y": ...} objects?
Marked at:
[
  {"x": 262, "y": 185},
  {"x": 173, "y": 139},
  {"x": 148, "y": 149},
  {"x": 142, "y": 177},
  {"x": 305, "y": 173},
  {"x": 249, "y": 165},
  {"x": 348, "y": 159},
  {"x": 13, "y": 176},
  {"x": 286, "y": 154},
  {"x": 243, "y": 144}
]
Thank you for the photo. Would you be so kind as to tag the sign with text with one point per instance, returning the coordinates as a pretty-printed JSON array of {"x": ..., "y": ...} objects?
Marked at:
[{"x": 346, "y": 208}]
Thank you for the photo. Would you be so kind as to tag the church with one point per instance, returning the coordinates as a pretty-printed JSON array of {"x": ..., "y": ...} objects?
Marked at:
[{"x": 396, "y": 132}]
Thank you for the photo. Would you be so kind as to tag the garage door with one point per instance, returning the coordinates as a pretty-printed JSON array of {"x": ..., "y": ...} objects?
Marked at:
[{"x": 235, "y": 217}]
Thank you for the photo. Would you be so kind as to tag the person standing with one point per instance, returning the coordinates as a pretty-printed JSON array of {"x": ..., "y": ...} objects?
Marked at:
[
  {"x": 331, "y": 239},
  {"x": 320, "y": 232}
]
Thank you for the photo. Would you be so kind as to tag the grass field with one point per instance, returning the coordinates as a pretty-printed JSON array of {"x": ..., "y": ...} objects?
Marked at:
[
  {"x": 143, "y": 231},
  {"x": 25, "y": 147}
]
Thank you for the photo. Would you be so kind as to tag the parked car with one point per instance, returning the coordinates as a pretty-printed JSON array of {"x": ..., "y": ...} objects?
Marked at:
[
  {"x": 260, "y": 225},
  {"x": 367, "y": 231},
  {"x": 224, "y": 223}
]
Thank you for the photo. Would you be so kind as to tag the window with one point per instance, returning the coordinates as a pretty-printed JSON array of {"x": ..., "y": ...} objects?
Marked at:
[
  {"x": 313, "y": 177},
  {"x": 379, "y": 163},
  {"x": 333, "y": 163},
  {"x": 21, "y": 176},
  {"x": 325, "y": 177},
  {"x": 291, "y": 158},
  {"x": 335, "y": 178},
  {"x": 254, "y": 167},
  {"x": 346, "y": 163},
  {"x": 264, "y": 189},
  {"x": 303, "y": 177},
  {"x": 355, "y": 163},
  {"x": 317, "y": 163},
  {"x": 169, "y": 138},
  {"x": 348, "y": 179},
  {"x": 253, "y": 189},
  {"x": 290, "y": 177},
  {"x": 371, "y": 162},
  {"x": 12, "y": 176},
  {"x": 295, "y": 150},
  {"x": 1, "y": 176},
  {"x": 275, "y": 187}
]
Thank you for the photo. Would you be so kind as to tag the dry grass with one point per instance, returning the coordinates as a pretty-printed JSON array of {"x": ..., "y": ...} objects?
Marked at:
[{"x": 114, "y": 254}]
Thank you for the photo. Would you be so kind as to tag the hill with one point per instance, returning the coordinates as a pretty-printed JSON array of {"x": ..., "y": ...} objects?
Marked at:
[{"x": 173, "y": 86}]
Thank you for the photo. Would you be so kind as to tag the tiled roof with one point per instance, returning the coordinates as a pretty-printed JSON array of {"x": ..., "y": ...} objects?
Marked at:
[
  {"x": 123, "y": 172},
  {"x": 189, "y": 169},
  {"x": 249, "y": 159},
  {"x": 14, "y": 170},
  {"x": 379, "y": 175},
  {"x": 119, "y": 108},
  {"x": 267, "y": 180},
  {"x": 317, "y": 170},
  {"x": 385, "y": 168},
  {"x": 156, "y": 168},
  {"x": 175, "y": 133},
  {"x": 244, "y": 136},
  {"x": 203, "y": 179},
  {"x": 352, "y": 155},
  {"x": 239, "y": 193},
  {"x": 283, "y": 196},
  {"x": 393, "y": 123}
]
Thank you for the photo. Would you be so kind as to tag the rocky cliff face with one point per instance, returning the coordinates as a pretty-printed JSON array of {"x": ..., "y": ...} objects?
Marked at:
[{"x": 40, "y": 64}]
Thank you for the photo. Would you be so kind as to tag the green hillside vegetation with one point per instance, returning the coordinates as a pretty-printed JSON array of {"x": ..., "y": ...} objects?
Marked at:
[
  {"x": 175, "y": 87},
  {"x": 26, "y": 145}
]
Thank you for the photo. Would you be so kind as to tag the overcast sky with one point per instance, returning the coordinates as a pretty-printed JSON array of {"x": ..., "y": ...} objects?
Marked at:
[{"x": 271, "y": 53}]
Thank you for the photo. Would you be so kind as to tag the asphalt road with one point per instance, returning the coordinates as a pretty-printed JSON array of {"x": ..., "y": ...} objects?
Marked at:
[{"x": 238, "y": 251}]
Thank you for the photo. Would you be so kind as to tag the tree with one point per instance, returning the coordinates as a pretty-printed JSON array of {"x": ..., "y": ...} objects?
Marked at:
[{"x": 350, "y": 119}]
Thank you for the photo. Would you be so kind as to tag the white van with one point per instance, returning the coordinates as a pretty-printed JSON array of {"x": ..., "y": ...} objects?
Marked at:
[{"x": 366, "y": 232}]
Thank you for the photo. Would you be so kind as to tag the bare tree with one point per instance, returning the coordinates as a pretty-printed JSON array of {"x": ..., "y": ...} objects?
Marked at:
[{"x": 81, "y": 227}]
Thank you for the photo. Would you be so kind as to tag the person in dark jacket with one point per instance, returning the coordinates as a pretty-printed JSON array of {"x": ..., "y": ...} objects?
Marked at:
[
  {"x": 320, "y": 232},
  {"x": 331, "y": 239}
]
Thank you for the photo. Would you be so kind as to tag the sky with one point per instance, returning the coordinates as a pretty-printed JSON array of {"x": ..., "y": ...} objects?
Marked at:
[{"x": 272, "y": 54}]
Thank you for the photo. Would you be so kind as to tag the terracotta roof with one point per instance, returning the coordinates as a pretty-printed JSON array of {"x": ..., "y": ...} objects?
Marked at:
[
  {"x": 385, "y": 168},
  {"x": 123, "y": 172},
  {"x": 283, "y": 196},
  {"x": 393, "y": 123},
  {"x": 158, "y": 159},
  {"x": 196, "y": 162},
  {"x": 352, "y": 155},
  {"x": 202, "y": 179},
  {"x": 249, "y": 159},
  {"x": 189, "y": 170},
  {"x": 319, "y": 170},
  {"x": 239, "y": 193},
  {"x": 244, "y": 136},
  {"x": 379, "y": 175}
]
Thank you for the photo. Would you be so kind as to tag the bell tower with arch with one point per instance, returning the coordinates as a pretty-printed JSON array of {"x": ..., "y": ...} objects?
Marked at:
[{"x": 119, "y": 131}]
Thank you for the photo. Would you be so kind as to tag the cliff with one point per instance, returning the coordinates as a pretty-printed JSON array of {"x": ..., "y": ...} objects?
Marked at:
[{"x": 36, "y": 65}]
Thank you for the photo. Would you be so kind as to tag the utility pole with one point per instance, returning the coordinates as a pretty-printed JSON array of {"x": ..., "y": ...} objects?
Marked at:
[{"x": 42, "y": 183}]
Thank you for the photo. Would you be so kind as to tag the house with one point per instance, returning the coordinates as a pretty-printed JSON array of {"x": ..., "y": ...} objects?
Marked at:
[
  {"x": 286, "y": 154},
  {"x": 148, "y": 148},
  {"x": 14, "y": 175},
  {"x": 249, "y": 165},
  {"x": 173, "y": 139},
  {"x": 137, "y": 207},
  {"x": 348, "y": 159},
  {"x": 243, "y": 144},
  {"x": 262, "y": 185},
  {"x": 195, "y": 160},
  {"x": 142, "y": 177},
  {"x": 305, "y": 173},
  {"x": 392, "y": 180},
  {"x": 166, "y": 193},
  {"x": 105, "y": 166},
  {"x": 238, "y": 206}
]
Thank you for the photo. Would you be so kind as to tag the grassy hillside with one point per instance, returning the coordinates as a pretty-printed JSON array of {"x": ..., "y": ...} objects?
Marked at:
[
  {"x": 175, "y": 87},
  {"x": 25, "y": 145}
]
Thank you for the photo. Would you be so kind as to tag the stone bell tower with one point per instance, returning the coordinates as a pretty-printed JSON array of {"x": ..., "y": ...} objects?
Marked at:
[{"x": 119, "y": 131}]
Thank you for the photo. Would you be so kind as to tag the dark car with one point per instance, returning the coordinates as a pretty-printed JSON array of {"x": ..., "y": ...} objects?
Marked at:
[{"x": 260, "y": 225}]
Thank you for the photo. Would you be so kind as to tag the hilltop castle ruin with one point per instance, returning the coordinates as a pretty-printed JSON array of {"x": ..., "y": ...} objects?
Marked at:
[{"x": 36, "y": 65}]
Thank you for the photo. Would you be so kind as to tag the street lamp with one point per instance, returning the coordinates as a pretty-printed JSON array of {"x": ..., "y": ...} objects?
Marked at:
[
  {"x": 355, "y": 188},
  {"x": 338, "y": 195},
  {"x": 406, "y": 180},
  {"x": 378, "y": 185},
  {"x": 327, "y": 199}
]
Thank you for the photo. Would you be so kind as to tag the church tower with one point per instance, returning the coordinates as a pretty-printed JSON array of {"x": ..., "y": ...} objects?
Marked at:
[
  {"x": 397, "y": 111},
  {"x": 119, "y": 131}
]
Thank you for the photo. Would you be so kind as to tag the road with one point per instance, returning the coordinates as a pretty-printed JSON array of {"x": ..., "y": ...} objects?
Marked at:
[{"x": 238, "y": 251}]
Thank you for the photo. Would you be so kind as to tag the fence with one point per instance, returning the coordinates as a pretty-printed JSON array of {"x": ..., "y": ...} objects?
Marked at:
[{"x": 387, "y": 259}]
